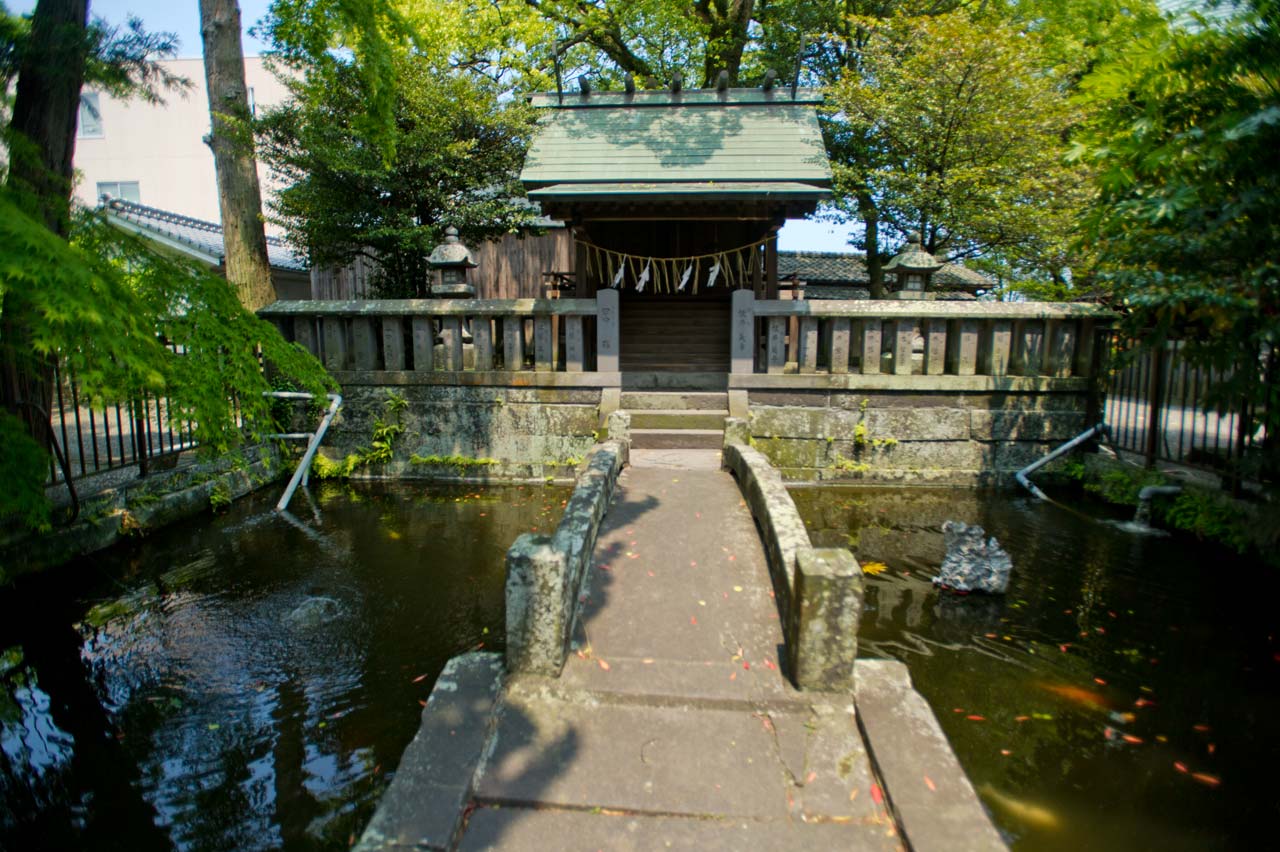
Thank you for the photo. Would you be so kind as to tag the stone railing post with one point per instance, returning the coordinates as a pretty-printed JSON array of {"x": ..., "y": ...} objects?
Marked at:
[
  {"x": 607, "y": 332},
  {"x": 743, "y": 332},
  {"x": 536, "y": 579},
  {"x": 826, "y": 605}
]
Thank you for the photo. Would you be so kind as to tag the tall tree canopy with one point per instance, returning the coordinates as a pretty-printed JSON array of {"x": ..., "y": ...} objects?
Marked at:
[
  {"x": 1187, "y": 226},
  {"x": 955, "y": 127},
  {"x": 456, "y": 155},
  {"x": 76, "y": 290}
]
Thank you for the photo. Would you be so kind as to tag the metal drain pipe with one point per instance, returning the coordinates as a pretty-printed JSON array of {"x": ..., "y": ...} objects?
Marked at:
[
  {"x": 1021, "y": 476},
  {"x": 302, "y": 474}
]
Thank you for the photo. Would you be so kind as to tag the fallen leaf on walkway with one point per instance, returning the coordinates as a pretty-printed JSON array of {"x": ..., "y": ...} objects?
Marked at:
[
  {"x": 876, "y": 795},
  {"x": 813, "y": 776},
  {"x": 928, "y": 782},
  {"x": 733, "y": 676},
  {"x": 1005, "y": 752},
  {"x": 737, "y": 588},
  {"x": 974, "y": 717},
  {"x": 1021, "y": 718},
  {"x": 1205, "y": 778},
  {"x": 603, "y": 665},
  {"x": 768, "y": 664},
  {"x": 874, "y": 568},
  {"x": 1180, "y": 766},
  {"x": 693, "y": 620},
  {"x": 853, "y": 794},
  {"x": 702, "y": 603},
  {"x": 1131, "y": 739}
]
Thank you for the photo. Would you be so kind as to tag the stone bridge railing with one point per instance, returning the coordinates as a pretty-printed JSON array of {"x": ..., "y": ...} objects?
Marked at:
[
  {"x": 460, "y": 341},
  {"x": 924, "y": 338}
]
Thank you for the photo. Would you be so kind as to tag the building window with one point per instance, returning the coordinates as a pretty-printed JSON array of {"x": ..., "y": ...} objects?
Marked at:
[
  {"x": 125, "y": 190},
  {"x": 90, "y": 120}
]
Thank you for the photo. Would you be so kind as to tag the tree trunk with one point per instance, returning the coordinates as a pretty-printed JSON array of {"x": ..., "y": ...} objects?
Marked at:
[
  {"x": 45, "y": 107},
  {"x": 729, "y": 30},
  {"x": 239, "y": 197},
  {"x": 871, "y": 239}
]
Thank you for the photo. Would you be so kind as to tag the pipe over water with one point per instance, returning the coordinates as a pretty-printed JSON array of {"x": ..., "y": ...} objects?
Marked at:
[
  {"x": 300, "y": 475},
  {"x": 1021, "y": 476}
]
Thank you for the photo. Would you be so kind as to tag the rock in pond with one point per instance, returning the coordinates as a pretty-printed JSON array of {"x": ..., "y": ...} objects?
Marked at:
[{"x": 973, "y": 562}]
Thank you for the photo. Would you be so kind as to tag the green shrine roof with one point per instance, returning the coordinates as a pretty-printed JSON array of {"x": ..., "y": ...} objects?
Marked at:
[{"x": 699, "y": 145}]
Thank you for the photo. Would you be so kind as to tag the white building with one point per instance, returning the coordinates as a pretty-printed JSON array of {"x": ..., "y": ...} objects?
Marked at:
[{"x": 154, "y": 154}]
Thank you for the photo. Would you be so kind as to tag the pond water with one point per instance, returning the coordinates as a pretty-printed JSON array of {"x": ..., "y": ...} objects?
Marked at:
[
  {"x": 1123, "y": 695},
  {"x": 242, "y": 682}
]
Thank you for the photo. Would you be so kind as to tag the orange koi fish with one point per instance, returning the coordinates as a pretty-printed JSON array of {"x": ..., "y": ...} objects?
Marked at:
[{"x": 1077, "y": 694}]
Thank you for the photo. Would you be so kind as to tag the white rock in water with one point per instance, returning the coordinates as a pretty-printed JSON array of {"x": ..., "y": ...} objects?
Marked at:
[
  {"x": 973, "y": 562},
  {"x": 313, "y": 612}
]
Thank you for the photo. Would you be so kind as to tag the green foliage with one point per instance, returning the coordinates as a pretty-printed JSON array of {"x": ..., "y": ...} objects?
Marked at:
[
  {"x": 358, "y": 37},
  {"x": 953, "y": 125},
  {"x": 458, "y": 150},
  {"x": 382, "y": 443},
  {"x": 1121, "y": 485},
  {"x": 105, "y": 305},
  {"x": 462, "y": 463},
  {"x": 23, "y": 466},
  {"x": 1211, "y": 516},
  {"x": 1188, "y": 219},
  {"x": 219, "y": 497}
]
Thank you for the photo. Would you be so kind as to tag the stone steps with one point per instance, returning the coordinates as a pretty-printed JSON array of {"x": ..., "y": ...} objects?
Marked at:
[
  {"x": 634, "y": 401},
  {"x": 677, "y": 439},
  {"x": 679, "y": 418},
  {"x": 668, "y": 379}
]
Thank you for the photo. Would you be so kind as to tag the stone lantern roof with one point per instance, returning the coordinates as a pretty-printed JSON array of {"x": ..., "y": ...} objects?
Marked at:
[
  {"x": 451, "y": 254},
  {"x": 913, "y": 258}
]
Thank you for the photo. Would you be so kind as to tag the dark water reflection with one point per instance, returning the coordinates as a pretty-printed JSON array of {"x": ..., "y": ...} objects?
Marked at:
[
  {"x": 244, "y": 682},
  {"x": 1122, "y": 696}
]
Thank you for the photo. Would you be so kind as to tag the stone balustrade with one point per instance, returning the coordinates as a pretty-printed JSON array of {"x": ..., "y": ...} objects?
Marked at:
[
  {"x": 460, "y": 341},
  {"x": 892, "y": 338}
]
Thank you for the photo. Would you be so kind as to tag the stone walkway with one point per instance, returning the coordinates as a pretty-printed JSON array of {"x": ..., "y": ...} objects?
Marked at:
[{"x": 672, "y": 725}]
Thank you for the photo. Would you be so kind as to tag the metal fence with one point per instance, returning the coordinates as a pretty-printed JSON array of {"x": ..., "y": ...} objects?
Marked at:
[
  {"x": 100, "y": 438},
  {"x": 1156, "y": 407}
]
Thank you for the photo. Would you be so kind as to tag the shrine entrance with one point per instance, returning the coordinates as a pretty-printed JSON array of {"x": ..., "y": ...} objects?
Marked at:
[{"x": 675, "y": 199}]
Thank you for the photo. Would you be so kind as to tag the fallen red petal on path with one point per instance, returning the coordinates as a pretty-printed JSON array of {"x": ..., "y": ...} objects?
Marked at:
[
  {"x": 974, "y": 717},
  {"x": 928, "y": 782},
  {"x": 1180, "y": 766},
  {"x": 1021, "y": 718},
  {"x": 420, "y": 678},
  {"x": 1206, "y": 778},
  {"x": 1202, "y": 728},
  {"x": 603, "y": 665},
  {"x": 1099, "y": 681},
  {"x": 876, "y": 795},
  {"x": 693, "y": 620},
  {"x": 1130, "y": 738}
]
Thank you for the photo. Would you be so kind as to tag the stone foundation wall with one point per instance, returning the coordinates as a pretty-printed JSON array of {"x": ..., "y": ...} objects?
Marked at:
[
  {"x": 488, "y": 431},
  {"x": 937, "y": 437}
]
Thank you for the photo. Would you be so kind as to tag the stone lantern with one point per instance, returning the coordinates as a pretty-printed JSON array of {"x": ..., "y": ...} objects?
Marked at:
[
  {"x": 453, "y": 259},
  {"x": 912, "y": 266}
]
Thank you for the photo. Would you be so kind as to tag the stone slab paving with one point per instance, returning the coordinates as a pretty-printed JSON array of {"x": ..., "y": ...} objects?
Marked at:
[{"x": 673, "y": 725}]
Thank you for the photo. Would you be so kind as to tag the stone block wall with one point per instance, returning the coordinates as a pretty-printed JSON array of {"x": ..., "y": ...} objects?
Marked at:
[
  {"x": 936, "y": 437},
  {"x": 509, "y": 431}
]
